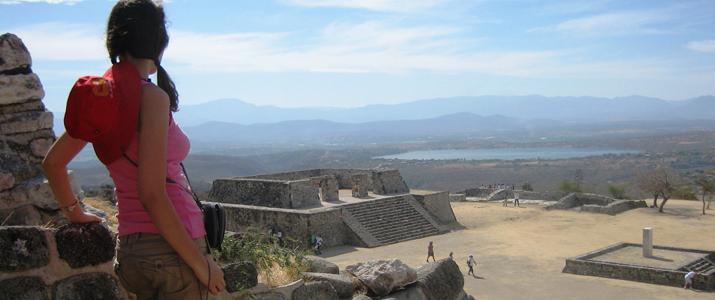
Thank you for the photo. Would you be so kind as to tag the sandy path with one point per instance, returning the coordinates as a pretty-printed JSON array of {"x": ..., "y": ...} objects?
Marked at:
[{"x": 521, "y": 251}]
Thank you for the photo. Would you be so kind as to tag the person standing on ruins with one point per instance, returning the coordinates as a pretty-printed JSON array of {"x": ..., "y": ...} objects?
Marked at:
[
  {"x": 430, "y": 251},
  {"x": 162, "y": 251},
  {"x": 516, "y": 199},
  {"x": 689, "y": 280}
]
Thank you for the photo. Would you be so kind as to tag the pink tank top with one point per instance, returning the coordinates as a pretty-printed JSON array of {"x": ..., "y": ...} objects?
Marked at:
[{"x": 132, "y": 216}]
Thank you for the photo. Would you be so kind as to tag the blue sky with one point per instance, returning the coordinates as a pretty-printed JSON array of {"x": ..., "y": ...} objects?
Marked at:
[{"x": 342, "y": 53}]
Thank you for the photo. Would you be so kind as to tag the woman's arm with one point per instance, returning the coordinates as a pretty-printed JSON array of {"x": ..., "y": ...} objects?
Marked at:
[
  {"x": 154, "y": 120},
  {"x": 55, "y": 166}
]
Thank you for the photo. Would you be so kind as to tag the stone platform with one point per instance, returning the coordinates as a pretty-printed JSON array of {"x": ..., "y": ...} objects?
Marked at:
[{"x": 667, "y": 266}]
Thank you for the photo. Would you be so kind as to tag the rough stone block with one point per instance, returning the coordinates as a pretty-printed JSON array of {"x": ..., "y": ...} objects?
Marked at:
[
  {"x": 320, "y": 265},
  {"x": 441, "y": 279},
  {"x": 7, "y": 181},
  {"x": 39, "y": 147},
  {"x": 30, "y": 105},
  {"x": 360, "y": 185},
  {"x": 13, "y": 53},
  {"x": 22, "y": 248},
  {"x": 361, "y": 297},
  {"x": 20, "y": 169},
  {"x": 315, "y": 291},
  {"x": 21, "y": 216},
  {"x": 24, "y": 288},
  {"x": 35, "y": 191},
  {"x": 87, "y": 286},
  {"x": 85, "y": 244},
  {"x": 25, "y": 121},
  {"x": 20, "y": 88},
  {"x": 388, "y": 182},
  {"x": 342, "y": 284},
  {"x": 413, "y": 292},
  {"x": 240, "y": 276},
  {"x": 383, "y": 276}
]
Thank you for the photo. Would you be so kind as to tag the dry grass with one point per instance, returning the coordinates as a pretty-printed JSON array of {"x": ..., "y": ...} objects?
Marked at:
[
  {"x": 106, "y": 207},
  {"x": 277, "y": 275}
]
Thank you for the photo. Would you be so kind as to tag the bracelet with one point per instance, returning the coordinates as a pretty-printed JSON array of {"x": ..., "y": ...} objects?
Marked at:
[{"x": 70, "y": 207}]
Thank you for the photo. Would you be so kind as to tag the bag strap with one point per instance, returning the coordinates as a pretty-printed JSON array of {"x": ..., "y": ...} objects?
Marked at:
[{"x": 169, "y": 180}]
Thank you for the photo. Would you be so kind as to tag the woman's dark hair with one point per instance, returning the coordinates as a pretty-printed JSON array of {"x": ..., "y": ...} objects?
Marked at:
[{"x": 138, "y": 28}]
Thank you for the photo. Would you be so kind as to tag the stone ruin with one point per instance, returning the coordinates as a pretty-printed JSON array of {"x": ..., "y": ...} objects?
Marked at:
[
  {"x": 361, "y": 207},
  {"x": 40, "y": 262},
  {"x": 596, "y": 204}
]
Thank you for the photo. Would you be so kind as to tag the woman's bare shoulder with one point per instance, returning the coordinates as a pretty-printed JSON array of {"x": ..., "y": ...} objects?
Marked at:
[{"x": 154, "y": 96}]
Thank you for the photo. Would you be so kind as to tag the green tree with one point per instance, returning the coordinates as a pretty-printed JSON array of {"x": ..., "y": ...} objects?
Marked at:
[
  {"x": 707, "y": 187},
  {"x": 527, "y": 187},
  {"x": 568, "y": 186},
  {"x": 618, "y": 192}
]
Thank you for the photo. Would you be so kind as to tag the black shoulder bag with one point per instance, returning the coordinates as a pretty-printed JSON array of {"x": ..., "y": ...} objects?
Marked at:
[{"x": 214, "y": 215}]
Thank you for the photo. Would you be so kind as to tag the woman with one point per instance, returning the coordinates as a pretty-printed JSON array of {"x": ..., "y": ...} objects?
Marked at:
[{"x": 162, "y": 253}]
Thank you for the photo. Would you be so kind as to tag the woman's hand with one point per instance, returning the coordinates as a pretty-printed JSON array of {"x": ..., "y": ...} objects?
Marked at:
[
  {"x": 217, "y": 283},
  {"x": 78, "y": 216}
]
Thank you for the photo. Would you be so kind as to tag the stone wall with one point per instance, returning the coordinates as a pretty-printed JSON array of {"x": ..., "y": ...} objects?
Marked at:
[
  {"x": 437, "y": 204},
  {"x": 595, "y": 203},
  {"x": 583, "y": 265},
  {"x": 265, "y": 192},
  {"x": 388, "y": 182},
  {"x": 73, "y": 262},
  {"x": 457, "y": 197},
  {"x": 615, "y": 207},
  {"x": 343, "y": 176},
  {"x": 295, "y": 224},
  {"x": 478, "y": 192}
]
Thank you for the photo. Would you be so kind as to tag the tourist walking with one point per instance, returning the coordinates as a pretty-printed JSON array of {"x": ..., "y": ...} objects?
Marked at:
[
  {"x": 430, "y": 251},
  {"x": 516, "y": 199},
  {"x": 689, "y": 280},
  {"x": 470, "y": 264},
  {"x": 318, "y": 245},
  {"x": 162, "y": 250}
]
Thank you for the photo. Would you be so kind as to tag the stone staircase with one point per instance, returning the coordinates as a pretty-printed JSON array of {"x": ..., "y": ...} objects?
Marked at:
[
  {"x": 702, "y": 266},
  {"x": 392, "y": 220}
]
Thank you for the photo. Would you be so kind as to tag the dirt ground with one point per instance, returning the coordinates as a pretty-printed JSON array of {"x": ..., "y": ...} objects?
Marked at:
[{"x": 521, "y": 251}]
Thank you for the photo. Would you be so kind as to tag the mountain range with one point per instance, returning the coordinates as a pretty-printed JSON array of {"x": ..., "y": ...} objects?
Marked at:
[
  {"x": 235, "y": 122},
  {"x": 570, "y": 109}
]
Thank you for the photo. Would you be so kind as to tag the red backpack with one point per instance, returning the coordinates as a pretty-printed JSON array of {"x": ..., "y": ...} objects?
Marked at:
[{"x": 105, "y": 110}]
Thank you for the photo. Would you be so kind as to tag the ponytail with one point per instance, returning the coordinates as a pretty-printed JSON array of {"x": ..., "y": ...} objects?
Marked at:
[{"x": 165, "y": 83}]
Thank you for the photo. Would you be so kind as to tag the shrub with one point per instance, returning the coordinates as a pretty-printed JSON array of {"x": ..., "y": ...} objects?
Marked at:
[
  {"x": 277, "y": 263},
  {"x": 570, "y": 187},
  {"x": 618, "y": 192}
]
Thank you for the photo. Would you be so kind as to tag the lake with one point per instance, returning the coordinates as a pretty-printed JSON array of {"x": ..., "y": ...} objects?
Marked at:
[{"x": 505, "y": 153}]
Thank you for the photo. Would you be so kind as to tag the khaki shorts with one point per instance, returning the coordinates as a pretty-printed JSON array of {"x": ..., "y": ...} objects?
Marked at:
[{"x": 148, "y": 267}]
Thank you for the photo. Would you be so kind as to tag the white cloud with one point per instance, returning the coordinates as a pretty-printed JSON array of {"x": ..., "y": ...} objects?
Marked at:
[
  {"x": 707, "y": 46},
  {"x": 375, "y": 5},
  {"x": 369, "y": 47},
  {"x": 67, "y": 2},
  {"x": 617, "y": 23},
  {"x": 63, "y": 41}
]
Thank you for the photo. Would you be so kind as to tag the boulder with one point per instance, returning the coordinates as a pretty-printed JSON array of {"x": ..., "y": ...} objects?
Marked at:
[
  {"x": 13, "y": 53},
  {"x": 441, "y": 279},
  {"x": 267, "y": 296},
  {"x": 383, "y": 276},
  {"x": 315, "y": 291},
  {"x": 342, "y": 284},
  {"x": 22, "y": 248},
  {"x": 83, "y": 245},
  {"x": 24, "y": 288},
  {"x": 413, "y": 292},
  {"x": 240, "y": 276},
  {"x": 320, "y": 265},
  {"x": 88, "y": 286}
]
